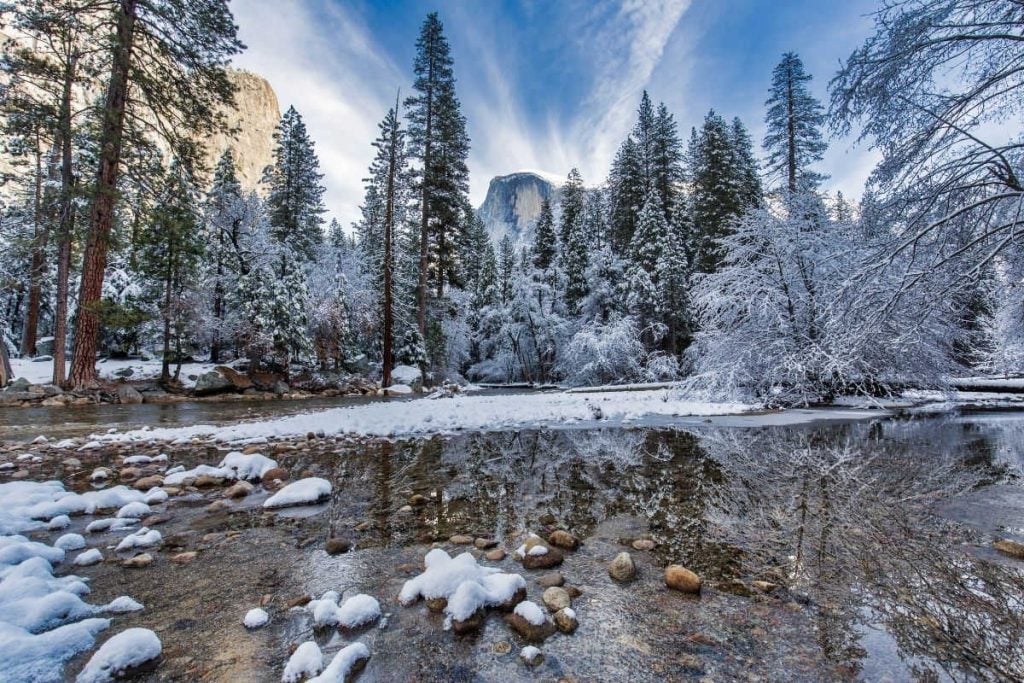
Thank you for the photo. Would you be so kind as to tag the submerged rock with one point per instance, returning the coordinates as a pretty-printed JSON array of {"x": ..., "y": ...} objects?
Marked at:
[
  {"x": 622, "y": 567},
  {"x": 563, "y": 539},
  {"x": 1011, "y": 548},
  {"x": 682, "y": 579}
]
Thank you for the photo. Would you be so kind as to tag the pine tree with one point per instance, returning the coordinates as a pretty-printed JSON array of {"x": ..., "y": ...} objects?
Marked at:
[
  {"x": 171, "y": 248},
  {"x": 794, "y": 119},
  {"x": 645, "y": 251},
  {"x": 572, "y": 203},
  {"x": 224, "y": 219},
  {"x": 666, "y": 162},
  {"x": 626, "y": 194},
  {"x": 276, "y": 310},
  {"x": 294, "y": 191},
  {"x": 438, "y": 141},
  {"x": 545, "y": 242},
  {"x": 721, "y": 187},
  {"x": 171, "y": 55},
  {"x": 506, "y": 268},
  {"x": 751, "y": 193},
  {"x": 574, "y": 264}
]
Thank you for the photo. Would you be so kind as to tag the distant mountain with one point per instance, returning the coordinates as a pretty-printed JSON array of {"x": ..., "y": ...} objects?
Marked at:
[{"x": 513, "y": 204}]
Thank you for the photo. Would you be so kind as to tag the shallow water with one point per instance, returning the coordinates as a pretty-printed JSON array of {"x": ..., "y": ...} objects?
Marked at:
[{"x": 876, "y": 535}]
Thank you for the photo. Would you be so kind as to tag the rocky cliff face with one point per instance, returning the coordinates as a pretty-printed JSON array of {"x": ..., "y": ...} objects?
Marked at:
[
  {"x": 512, "y": 205},
  {"x": 255, "y": 116}
]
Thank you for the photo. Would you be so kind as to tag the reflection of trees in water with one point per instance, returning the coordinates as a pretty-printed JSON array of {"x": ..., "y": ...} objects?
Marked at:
[
  {"x": 840, "y": 516},
  {"x": 848, "y": 523}
]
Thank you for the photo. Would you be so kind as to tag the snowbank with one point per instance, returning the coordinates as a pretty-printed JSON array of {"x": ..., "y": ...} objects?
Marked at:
[
  {"x": 301, "y": 492},
  {"x": 42, "y": 372},
  {"x": 469, "y": 413},
  {"x": 128, "y": 649}
]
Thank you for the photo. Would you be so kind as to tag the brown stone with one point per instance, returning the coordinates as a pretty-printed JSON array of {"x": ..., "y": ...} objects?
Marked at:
[
  {"x": 300, "y": 601},
  {"x": 436, "y": 604},
  {"x": 531, "y": 632},
  {"x": 485, "y": 543},
  {"x": 643, "y": 544},
  {"x": 511, "y": 603},
  {"x": 129, "y": 473},
  {"x": 552, "y": 579},
  {"x": 274, "y": 473},
  {"x": 556, "y": 599},
  {"x": 622, "y": 567},
  {"x": 184, "y": 558},
  {"x": 239, "y": 489},
  {"x": 566, "y": 621},
  {"x": 681, "y": 579},
  {"x": 336, "y": 545},
  {"x": 461, "y": 539},
  {"x": 552, "y": 558},
  {"x": 146, "y": 483},
  {"x": 1008, "y": 547},
  {"x": 252, "y": 449},
  {"x": 563, "y": 539},
  {"x": 154, "y": 520},
  {"x": 473, "y": 623},
  {"x": 496, "y": 555},
  {"x": 138, "y": 562},
  {"x": 207, "y": 481}
]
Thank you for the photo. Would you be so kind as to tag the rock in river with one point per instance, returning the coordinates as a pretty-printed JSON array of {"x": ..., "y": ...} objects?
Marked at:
[
  {"x": 556, "y": 599},
  {"x": 681, "y": 579},
  {"x": 622, "y": 567}
]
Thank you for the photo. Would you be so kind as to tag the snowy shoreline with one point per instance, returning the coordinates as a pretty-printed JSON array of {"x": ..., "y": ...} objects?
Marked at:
[{"x": 450, "y": 415}]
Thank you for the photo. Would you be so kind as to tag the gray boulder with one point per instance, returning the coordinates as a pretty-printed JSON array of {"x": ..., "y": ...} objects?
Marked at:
[{"x": 212, "y": 383}]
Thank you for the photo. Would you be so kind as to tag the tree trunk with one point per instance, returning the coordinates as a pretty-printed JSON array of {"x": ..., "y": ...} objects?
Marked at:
[
  {"x": 101, "y": 216},
  {"x": 37, "y": 269},
  {"x": 388, "y": 360},
  {"x": 165, "y": 365},
  {"x": 65, "y": 225}
]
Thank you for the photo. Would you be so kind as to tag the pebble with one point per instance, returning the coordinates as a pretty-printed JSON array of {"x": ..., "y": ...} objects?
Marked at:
[
  {"x": 217, "y": 506},
  {"x": 552, "y": 558},
  {"x": 208, "y": 481},
  {"x": 643, "y": 544},
  {"x": 364, "y": 526},
  {"x": 138, "y": 562},
  {"x": 1008, "y": 547},
  {"x": 502, "y": 647},
  {"x": 622, "y": 567},
  {"x": 678, "y": 577},
  {"x": 336, "y": 545},
  {"x": 533, "y": 633},
  {"x": 566, "y": 621},
  {"x": 485, "y": 543},
  {"x": 146, "y": 483},
  {"x": 274, "y": 474},
  {"x": 239, "y": 489},
  {"x": 496, "y": 555},
  {"x": 154, "y": 520},
  {"x": 563, "y": 539},
  {"x": 531, "y": 656},
  {"x": 552, "y": 579},
  {"x": 184, "y": 558},
  {"x": 461, "y": 539},
  {"x": 556, "y": 599}
]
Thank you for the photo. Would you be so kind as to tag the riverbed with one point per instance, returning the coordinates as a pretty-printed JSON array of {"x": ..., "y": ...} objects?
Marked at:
[{"x": 838, "y": 550}]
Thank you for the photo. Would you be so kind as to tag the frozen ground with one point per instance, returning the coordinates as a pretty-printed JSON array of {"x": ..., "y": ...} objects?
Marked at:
[
  {"x": 461, "y": 413},
  {"x": 42, "y": 372}
]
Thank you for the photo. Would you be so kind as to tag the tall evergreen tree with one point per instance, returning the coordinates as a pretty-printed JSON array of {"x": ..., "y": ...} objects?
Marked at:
[
  {"x": 666, "y": 162},
  {"x": 645, "y": 252},
  {"x": 225, "y": 218},
  {"x": 745, "y": 167},
  {"x": 575, "y": 262},
  {"x": 794, "y": 119},
  {"x": 171, "y": 248},
  {"x": 572, "y": 203},
  {"x": 545, "y": 242},
  {"x": 439, "y": 142},
  {"x": 171, "y": 54},
  {"x": 295, "y": 191},
  {"x": 626, "y": 194}
]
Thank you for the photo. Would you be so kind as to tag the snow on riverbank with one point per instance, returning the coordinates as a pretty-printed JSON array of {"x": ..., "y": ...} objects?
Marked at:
[
  {"x": 41, "y": 372},
  {"x": 461, "y": 413}
]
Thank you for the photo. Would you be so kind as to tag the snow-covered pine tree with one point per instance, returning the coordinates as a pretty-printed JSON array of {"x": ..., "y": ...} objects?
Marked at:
[
  {"x": 295, "y": 192},
  {"x": 439, "y": 143},
  {"x": 645, "y": 251},
  {"x": 720, "y": 187},
  {"x": 626, "y": 189},
  {"x": 224, "y": 218},
  {"x": 572, "y": 204},
  {"x": 171, "y": 246},
  {"x": 545, "y": 241},
  {"x": 506, "y": 268},
  {"x": 746, "y": 168},
  {"x": 794, "y": 118},
  {"x": 575, "y": 261},
  {"x": 276, "y": 310},
  {"x": 666, "y": 162}
]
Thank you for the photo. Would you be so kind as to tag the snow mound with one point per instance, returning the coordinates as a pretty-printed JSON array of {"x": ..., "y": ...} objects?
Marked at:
[
  {"x": 126, "y": 650},
  {"x": 143, "y": 538},
  {"x": 59, "y": 522},
  {"x": 88, "y": 558},
  {"x": 307, "y": 661},
  {"x": 344, "y": 664},
  {"x": 123, "y": 604},
  {"x": 134, "y": 510},
  {"x": 244, "y": 466},
  {"x": 255, "y": 618},
  {"x": 354, "y": 612},
  {"x": 405, "y": 374},
  {"x": 181, "y": 477},
  {"x": 155, "y": 496},
  {"x": 70, "y": 542},
  {"x": 109, "y": 524},
  {"x": 467, "y": 586},
  {"x": 301, "y": 492}
]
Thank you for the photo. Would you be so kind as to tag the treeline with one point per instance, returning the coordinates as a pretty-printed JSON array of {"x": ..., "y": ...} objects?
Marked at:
[{"x": 695, "y": 259}]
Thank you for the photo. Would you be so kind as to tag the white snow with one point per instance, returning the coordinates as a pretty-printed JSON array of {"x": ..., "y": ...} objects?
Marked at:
[
  {"x": 356, "y": 611},
  {"x": 109, "y": 524},
  {"x": 42, "y": 372},
  {"x": 133, "y": 510},
  {"x": 143, "y": 538},
  {"x": 99, "y": 473},
  {"x": 177, "y": 478},
  {"x": 537, "y": 550},
  {"x": 70, "y": 542},
  {"x": 343, "y": 664},
  {"x": 467, "y": 599},
  {"x": 89, "y": 557},
  {"x": 307, "y": 661},
  {"x": 138, "y": 460},
  {"x": 59, "y": 522},
  {"x": 569, "y": 612},
  {"x": 405, "y": 374},
  {"x": 155, "y": 496},
  {"x": 255, "y": 618},
  {"x": 129, "y": 648},
  {"x": 531, "y": 612},
  {"x": 301, "y": 492},
  {"x": 462, "y": 412},
  {"x": 529, "y": 653},
  {"x": 396, "y": 389},
  {"x": 123, "y": 604},
  {"x": 247, "y": 466}
]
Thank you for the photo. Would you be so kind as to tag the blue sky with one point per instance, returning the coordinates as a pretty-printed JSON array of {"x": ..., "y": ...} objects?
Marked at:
[{"x": 545, "y": 84}]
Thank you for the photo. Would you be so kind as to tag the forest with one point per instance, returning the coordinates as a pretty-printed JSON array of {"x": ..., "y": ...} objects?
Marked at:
[{"x": 705, "y": 257}]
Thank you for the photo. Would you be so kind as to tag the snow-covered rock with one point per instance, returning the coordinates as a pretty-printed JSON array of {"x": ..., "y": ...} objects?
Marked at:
[
  {"x": 346, "y": 663},
  {"x": 88, "y": 558},
  {"x": 255, "y": 618},
  {"x": 70, "y": 542},
  {"x": 307, "y": 661},
  {"x": 356, "y": 611},
  {"x": 123, "y": 604},
  {"x": 143, "y": 538},
  {"x": 127, "y": 650},
  {"x": 247, "y": 466},
  {"x": 301, "y": 492}
]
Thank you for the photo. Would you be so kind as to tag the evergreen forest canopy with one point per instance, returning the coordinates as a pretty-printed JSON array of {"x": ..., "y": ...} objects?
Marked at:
[{"x": 705, "y": 257}]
